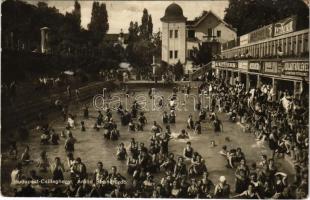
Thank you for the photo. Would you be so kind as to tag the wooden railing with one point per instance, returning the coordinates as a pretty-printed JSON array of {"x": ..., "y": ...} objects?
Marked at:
[{"x": 291, "y": 44}]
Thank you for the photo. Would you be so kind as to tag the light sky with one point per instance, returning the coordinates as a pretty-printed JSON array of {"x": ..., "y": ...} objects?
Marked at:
[{"x": 120, "y": 13}]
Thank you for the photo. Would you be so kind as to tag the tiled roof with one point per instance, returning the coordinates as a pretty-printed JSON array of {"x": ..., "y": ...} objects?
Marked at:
[{"x": 198, "y": 20}]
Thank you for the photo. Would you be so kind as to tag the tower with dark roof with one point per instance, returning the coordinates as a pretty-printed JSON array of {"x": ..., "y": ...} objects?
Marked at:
[
  {"x": 181, "y": 37},
  {"x": 173, "y": 35}
]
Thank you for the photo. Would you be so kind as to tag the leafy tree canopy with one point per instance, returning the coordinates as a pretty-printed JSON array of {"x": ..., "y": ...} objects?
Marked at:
[
  {"x": 142, "y": 43},
  {"x": 248, "y": 15}
]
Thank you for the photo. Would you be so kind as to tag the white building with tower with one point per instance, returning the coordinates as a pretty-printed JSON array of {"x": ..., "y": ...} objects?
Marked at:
[{"x": 180, "y": 36}]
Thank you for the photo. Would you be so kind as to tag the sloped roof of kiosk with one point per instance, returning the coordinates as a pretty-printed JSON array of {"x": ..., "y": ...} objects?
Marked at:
[{"x": 173, "y": 13}]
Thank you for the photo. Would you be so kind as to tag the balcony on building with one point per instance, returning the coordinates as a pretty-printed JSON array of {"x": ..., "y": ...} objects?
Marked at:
[{"x": 294, "y": 44}]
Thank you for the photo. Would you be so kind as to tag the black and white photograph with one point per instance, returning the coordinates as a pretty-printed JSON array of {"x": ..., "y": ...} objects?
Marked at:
[{"x": 189, "y": 99}]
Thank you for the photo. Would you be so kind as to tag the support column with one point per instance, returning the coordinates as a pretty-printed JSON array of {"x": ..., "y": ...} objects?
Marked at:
[
  {"x": 297, "y": 45},
  {"x": 286, "y": 47},
  {"x": 282, "y": 45},
  {"x": 302, "y": 43},
  {"x": 253, "y": 49},
  {"x": 232, "y": 78},
  {"x": 258, "y": 81},
  {"x": 274, "y": 50},
  {"x": 247, "y": 84},
  {"x": 250, "y": 51},
  {"x": 291, "y": 48},
  {"x": 227, "y": 77},
  {"x": 270, "y": 47},
  {"x": 264, "y": 49},
  {"x": 295, "y": 89},
  {"x": 275, "y": 90},
  {"x": 217, "y": 73}
]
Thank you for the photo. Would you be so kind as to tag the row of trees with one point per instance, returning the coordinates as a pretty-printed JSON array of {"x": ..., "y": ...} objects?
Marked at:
[
  {"x": 21, "y": 24},
  {"x": 142, "y": 43}
]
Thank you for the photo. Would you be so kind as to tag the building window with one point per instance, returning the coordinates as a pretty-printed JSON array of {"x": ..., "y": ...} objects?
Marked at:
[
  {"x": 191, "y": 33},
  {"x": 171, "y": 33},
  {"x": 209, "y": 32},
  {"x": 176, "y": 34},
  {"x": 171, "y": 54},
  {"x": 218, "y": 33},
  {"x": 175, "y": 54}
]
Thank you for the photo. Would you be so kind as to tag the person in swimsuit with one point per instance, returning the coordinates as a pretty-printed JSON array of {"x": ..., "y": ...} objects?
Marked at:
[
  {"x": 165, "y": 118},
  {"x": 172, "y": 117},
  {"x": 217, "y": 125},
  {"x": 25, "y": 158},
  {"x": 180, "y": 168},
  {"x": 183, "y": 135},
  {"x": 197, "y": 127},
  {"x": 242, "y": 174},
  {"x": 134, "y": 148},
  {"x": 175, "y": 191},
  {"x": 250, "y": 193},
  {"x": 190, "y": 122},
  {"x": 222, "y": 189},
  {"x": 132, "y": 164},
  {"x": 121, "y": 152},
  {"x": 188, "y": 151},
  {"x": 58, "y": 169}
]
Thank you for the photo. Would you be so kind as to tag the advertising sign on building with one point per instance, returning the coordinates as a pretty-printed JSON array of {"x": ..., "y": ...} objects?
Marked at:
[
  {"x": 296, "y": 68},
  {"x": 243, "y": 65},
  {"x": 255, "y": 66},
  {"x": 284, "y": 26},
  {"x": 271, "y": 67},
  {"x": 226, "y": 64},
  {"x": 261, "y": 34},
  {"x": 244, "y": 39}
]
